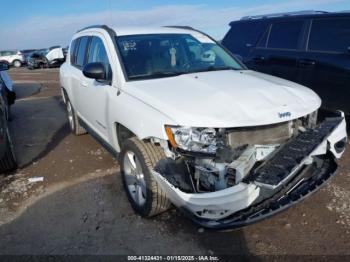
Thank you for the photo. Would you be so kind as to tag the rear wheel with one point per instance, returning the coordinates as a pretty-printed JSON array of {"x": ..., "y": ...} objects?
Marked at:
[
  {"x": 137, "y": 159},
  {"x": 73, "y": 120},
  {"x": 8, "y": 162},
  {"x": 17, "y": 63}
]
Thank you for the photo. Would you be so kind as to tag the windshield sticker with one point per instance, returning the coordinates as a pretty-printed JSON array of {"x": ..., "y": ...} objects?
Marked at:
[
  {"x": 202, "y": 38},
  {"x": 129, "y": 45}
]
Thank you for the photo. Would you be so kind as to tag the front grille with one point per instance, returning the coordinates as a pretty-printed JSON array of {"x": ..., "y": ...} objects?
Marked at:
[{"x": 261, "y": 135}]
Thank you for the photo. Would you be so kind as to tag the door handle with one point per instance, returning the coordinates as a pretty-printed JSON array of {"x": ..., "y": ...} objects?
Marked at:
[
  {"x": 306, "y": 62},
  {"x": 83, "y": 84},
  {"x": 259, "y": 58}
]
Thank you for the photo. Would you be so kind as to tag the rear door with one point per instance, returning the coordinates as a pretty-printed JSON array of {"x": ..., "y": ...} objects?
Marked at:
[
  {"x": 6, "y": 56},
  {"x": 12, "y": 56},
  {"x": 277, "y": 52},
  {"x": 325, "y": 64}
]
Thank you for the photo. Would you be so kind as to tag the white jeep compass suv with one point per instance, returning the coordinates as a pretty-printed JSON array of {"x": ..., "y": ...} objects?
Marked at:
[{"x": 193, "y": 127}]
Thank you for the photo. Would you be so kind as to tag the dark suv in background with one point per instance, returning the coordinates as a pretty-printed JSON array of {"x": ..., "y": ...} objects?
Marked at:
[{"x": 308, "y": 47}]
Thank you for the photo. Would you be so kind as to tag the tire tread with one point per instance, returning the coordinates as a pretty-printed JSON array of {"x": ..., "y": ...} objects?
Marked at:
[
  {"x": 78, "y": 128},
  {"x": 8, "y": 162},
  {"x": 152, "y": 154}
]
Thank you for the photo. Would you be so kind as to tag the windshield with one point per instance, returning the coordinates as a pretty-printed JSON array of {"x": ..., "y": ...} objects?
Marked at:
[{"x": 163, "y": 55}]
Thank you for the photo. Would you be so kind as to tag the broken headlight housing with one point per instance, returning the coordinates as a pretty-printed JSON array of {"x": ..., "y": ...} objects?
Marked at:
[
  {"x": 193, "y": 139},
  {"x": 312, "y": 119}
]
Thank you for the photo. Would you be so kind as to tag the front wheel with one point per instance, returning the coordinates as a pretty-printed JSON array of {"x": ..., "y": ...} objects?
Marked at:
[
  {"x": 137, "y": 159},
  {"x": 17, "y": 63}
]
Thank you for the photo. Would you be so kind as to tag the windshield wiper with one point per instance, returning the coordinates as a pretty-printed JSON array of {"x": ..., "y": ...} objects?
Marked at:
[
  {"x": 158, "y": 74},
  {"x": 213, "y": 68}
]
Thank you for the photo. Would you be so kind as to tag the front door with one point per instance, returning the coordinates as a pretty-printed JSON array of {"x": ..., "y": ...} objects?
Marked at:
[{"x": 94, "y": 94}]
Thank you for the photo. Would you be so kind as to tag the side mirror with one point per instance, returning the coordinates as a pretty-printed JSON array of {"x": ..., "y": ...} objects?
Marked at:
[
  {"x": 4, "y": 66},
  {"x": 95, "y": 71}
]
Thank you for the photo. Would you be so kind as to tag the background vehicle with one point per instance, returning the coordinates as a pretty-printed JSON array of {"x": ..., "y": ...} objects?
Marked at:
[
  {"x": 37, "y": 59},
  {"x": 308, "y": 47},
  {"x": 46, "y": 58},
  {"x": 194, "y": 127},
  {"x": 7, "y": 156},
  {"x": 13, "y": 58},
  {"x": 65, "y": 51},
  {"x": 26, "y": 53}
]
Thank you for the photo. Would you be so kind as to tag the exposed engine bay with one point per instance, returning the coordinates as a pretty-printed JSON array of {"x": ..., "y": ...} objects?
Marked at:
[
  {"x": 237, "y": 151},
  {"x": 242, "y": 167}
]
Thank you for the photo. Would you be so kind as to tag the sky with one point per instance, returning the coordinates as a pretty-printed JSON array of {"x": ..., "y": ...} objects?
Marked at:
[{"x": 43, "y": 23}]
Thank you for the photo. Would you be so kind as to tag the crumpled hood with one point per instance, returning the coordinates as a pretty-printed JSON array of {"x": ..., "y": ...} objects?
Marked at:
[{"x": 225, "y": 98}]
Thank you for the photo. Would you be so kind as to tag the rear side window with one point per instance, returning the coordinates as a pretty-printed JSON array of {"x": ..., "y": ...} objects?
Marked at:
[
  {"x": 285, "y": 35},
  {"x": 330, "y": 35},
  {"x": 243, "y": 36},
  {"x": 81, "y": 52}
]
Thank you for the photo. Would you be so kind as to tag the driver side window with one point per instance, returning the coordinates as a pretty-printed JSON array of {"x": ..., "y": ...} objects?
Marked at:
[{"x": 98, "y": 54}]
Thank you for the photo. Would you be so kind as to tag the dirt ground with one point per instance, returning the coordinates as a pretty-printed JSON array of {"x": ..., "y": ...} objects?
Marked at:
[{"x": 81, "y": 208}]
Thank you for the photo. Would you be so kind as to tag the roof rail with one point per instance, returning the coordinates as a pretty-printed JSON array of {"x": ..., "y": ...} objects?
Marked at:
[
  {"x": 94, "y": 26},
  {"x": 180, "y": 27},
  {"x": 305, "y": 12}
]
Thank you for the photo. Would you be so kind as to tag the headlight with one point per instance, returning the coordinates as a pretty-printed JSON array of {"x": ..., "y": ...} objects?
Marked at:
[{"x": 192, "y": 139}]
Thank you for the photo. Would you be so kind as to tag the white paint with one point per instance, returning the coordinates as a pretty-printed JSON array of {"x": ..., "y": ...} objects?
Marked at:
[
  {"x": 228, "y": 201},
  {"x": 56, "y": 53}
]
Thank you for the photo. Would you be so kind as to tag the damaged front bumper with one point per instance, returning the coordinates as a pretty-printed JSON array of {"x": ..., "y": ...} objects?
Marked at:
[{"x": 296, "y": 170}]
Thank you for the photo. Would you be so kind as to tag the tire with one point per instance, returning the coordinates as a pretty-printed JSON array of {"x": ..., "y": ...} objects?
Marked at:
[
  {"x": 146, "y": 197},
  {"x": 10, "y": 98},
  {"x": 73, "y": 120},
  {"x": 8, "y": 162},
  {"x": 17, "y": 63},
  {"x": 64, "y": 96}
]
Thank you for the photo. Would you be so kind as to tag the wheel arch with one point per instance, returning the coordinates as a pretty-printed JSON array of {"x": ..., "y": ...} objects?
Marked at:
[
  {"x": 121, "y": 134},
  {"x": 64, "y": 94},
  {"x": 16, "y": 59}
]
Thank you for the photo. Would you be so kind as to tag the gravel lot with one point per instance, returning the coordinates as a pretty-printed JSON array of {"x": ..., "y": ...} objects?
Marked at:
[{"x": 80, "y": 207}]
